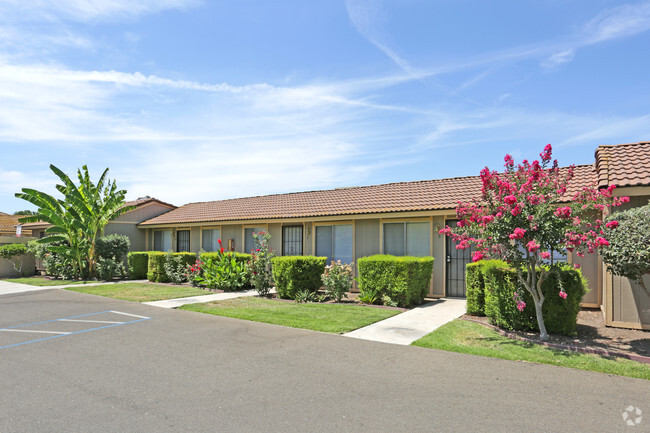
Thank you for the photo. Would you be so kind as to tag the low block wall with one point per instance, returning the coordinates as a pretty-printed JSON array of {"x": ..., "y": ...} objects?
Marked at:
[{"x": 7, "y": 269}]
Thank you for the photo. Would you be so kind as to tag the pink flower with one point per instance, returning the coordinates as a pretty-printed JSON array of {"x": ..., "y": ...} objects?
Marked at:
[
  {"x": 576, "y": 265},
  {"x": 478, "y": 255},
  {"x": 545, "y": 255},
  {"x": 511, "y": 199},
  {"x": 509, "y": 161},
  {"x": 563, "y": 294},
  {"x": 601, "y": 242},
  {"x": 563, "y": 212},
  {"x": 532, "y": 246},
  {"x": 521, "y": 305},
  {"x": 517, "y": 233},
  {"x": 515, "y": 211},
  {"x": 612, "y": 224}
]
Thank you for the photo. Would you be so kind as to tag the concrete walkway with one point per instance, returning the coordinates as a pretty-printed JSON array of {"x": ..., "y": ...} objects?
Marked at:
[
  {"x": 7, "y": 287},
  {"x": 407, "y": 327},
  {"x": 175, "y": 303}
]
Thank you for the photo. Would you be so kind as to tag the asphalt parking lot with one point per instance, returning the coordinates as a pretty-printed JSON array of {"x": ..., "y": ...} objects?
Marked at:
[{"x": 115, "y": 366}]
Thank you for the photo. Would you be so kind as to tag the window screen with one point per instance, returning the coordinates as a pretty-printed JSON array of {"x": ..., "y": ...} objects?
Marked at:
[
  {"x": 407, "y": 239},
  {"x": 182, "y": 240},
  {"x": 162, "y": 240},
  {"x": 210, "y": 239},
  {"x": 292, "y": 241},
  {"x": 334, "y": 242},
  {"x": 249, "y": 241}
]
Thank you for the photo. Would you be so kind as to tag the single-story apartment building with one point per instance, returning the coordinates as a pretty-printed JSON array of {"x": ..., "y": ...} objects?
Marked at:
[{"x": 397, "y": 218}]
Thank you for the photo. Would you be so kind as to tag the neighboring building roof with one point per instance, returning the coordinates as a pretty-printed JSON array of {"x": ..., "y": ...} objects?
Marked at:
[
  {"x": 422, "y": 195},
  {"x": 144, "y": 200},
  {"x": 623, "y": 164},
  {"x": 8, "y": 225},
  {"x": 137, "y": 203}
]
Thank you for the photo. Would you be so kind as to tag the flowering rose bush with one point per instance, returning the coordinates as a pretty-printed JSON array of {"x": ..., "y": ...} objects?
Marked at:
[
  {"x": 524, "y": 214},
  {"x": 260, "y": 263},
  {"x": 337, "y": 278}
]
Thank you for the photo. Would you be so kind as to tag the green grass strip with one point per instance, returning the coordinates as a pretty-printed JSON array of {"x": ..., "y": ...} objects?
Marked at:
[
  {"x": 466, "y": 337},
  {"x": 140, "y": 292},
  {"x": 40, "y": 281},
  {"x": 333, "y": 318}
]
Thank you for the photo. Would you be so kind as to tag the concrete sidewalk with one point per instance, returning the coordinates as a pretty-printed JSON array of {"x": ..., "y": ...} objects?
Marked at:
[
  {"x": 175, "y": 303},
  {"x": 7, "y": 288},
  {"x": 407, "y": 327}
]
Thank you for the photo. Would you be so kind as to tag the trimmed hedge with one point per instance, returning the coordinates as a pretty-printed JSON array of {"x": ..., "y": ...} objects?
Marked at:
[
  {"x": 138, "y": 263},
  {"x": 293, "y": 274},
  {"x": 475, "y": 287},
  {"x": 156, "y": 265},
  {"x": 560, "y": 315},
  {"x": 404, "y": 279}
]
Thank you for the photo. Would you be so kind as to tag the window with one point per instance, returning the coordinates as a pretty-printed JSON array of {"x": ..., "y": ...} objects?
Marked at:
[
  {"x": 334, "y": 242},
  {"x": 249, "y": 241},
  {"x": 182, "y": 240},
  {"x": 210, "y": 239},
  {"x": 407, "y": 239},
  {"x": 292, "y": 241},
  {"x": 162, "y": 240}
]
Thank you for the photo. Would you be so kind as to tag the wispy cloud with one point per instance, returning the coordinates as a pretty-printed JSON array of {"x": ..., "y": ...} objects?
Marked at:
[
  {"x": 84, "y": 11},
  {"x": 368, "y": 18},
  {"x": 619, "y": 22}
]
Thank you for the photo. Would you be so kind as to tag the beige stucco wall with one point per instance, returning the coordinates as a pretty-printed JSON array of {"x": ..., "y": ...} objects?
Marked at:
[
  {"x": 275, "y": 230},
  {"x": 7, "y": 269},
  {"x": 366, "y": 234}
]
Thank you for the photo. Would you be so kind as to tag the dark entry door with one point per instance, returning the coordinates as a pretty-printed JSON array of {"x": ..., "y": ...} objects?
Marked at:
[{"x": 456, "y": 262}]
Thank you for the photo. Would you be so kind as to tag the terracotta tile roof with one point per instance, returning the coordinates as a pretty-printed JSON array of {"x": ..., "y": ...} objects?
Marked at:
[
  {"x": 623, "y": 164},
  {"x": 8, "y": 225},
  {"x": 422, "y": 195}
]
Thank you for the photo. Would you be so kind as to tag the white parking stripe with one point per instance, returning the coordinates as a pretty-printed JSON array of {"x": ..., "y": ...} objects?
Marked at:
[
  {"x": 129, "y": 314},
  {"x": 87, "y": 321},
  {"x": 40, "y": 332}
]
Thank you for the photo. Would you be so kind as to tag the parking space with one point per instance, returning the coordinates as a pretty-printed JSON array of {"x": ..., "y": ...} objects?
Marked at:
[{"x": 55, "y": 328}]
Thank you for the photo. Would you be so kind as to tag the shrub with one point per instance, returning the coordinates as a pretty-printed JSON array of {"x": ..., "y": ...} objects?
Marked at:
[
  {"x": 156, "y": 267},
  {"x": 110, "y": 251},
  {"x": 223, "y": 271},
  {"x": 58, "y": 265},
  {"x": 405, "y": 280},
  {"x": 137, "y": 264},
  {"x": 113, "y": 247},
  {"x": 293, "y": 274},
  {"x": 337, "y": 278},
  {"x": 560, "y": 315},
  {"x": 176, "y": 265},
  {"x": 475, "y": 287},
  {"x": 240, "y": 258},
  {"x": 628, "y": 235}
]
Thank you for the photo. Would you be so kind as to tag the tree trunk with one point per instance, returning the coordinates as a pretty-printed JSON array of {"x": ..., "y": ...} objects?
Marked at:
[{"x": 543, "y": 335}]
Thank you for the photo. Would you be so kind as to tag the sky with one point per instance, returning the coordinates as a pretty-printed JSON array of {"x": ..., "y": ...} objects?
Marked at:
[{"x": 190, "y": 100}]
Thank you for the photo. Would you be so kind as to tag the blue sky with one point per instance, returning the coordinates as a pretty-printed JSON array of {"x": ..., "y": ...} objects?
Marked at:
[{"x": 190, "y": 100}]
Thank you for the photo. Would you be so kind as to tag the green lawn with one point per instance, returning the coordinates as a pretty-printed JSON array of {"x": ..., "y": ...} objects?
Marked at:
[
  {"x": 317, "y": 317},
  {"x": 468, "y": 337},
  {"x": 42, "y": 281},
  {"x": 140, "y": 292}
]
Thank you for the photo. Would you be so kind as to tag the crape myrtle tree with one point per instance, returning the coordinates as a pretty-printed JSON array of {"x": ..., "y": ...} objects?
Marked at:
[
  {"x": 524, "y": 214},
  {"x": 78, "y": 219},
  {"x": 628, "y": 252}
]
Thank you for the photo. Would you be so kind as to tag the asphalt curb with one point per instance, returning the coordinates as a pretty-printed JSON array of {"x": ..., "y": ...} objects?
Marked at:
[{"x": 637, "y": 358}]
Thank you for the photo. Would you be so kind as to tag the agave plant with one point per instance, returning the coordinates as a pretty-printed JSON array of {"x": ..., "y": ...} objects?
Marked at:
[{"x": 79, "y": 218}]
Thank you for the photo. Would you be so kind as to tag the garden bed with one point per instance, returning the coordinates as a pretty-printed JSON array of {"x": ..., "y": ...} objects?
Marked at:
[{"x": 593, "y": 336}]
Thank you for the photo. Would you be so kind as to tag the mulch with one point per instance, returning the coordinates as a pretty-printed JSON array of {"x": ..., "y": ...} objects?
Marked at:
[{"x": 593, "y": 337}]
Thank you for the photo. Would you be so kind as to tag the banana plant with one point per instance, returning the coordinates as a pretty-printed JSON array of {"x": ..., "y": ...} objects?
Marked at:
[{"x": 79, "y": 218}]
